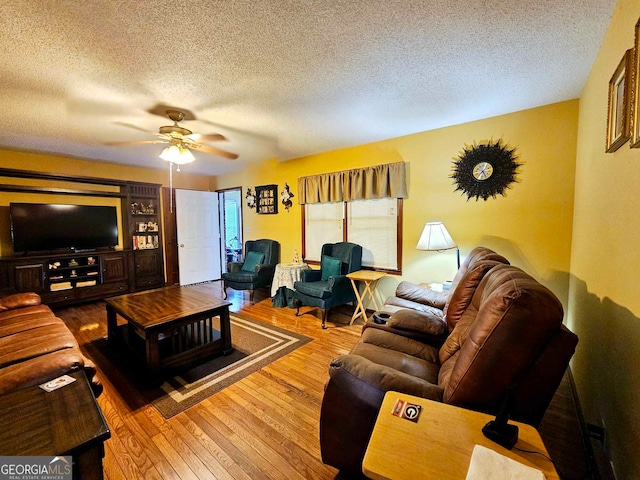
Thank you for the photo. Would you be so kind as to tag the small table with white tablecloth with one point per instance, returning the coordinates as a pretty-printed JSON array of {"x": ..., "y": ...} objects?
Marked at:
[{"x": 286, "y": 275}]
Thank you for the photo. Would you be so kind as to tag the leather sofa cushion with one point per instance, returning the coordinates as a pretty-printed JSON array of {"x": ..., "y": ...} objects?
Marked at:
[
  {"x": 421, "y": 294},
  {"x": 23, "y": 323},
  {"x": 478, "y": 254},
  {"x": 41, "y": 310},
  {"x": 35, "y": 342},
  {"x": 19, "y": 300},
  {"x": 396, "y": 303},
  {"x": 461, "y": 296},
  {"x": 399, "y": 361},
  {"x": 380, "y": 377},
  {"x": 398, "y": 343}
]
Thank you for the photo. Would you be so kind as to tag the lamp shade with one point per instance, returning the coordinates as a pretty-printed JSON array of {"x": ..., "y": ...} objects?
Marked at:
[
  {"x": 170, "y": 153},
  {"x": 178, "y": 154},
  {"x": 435, "y": 237}
]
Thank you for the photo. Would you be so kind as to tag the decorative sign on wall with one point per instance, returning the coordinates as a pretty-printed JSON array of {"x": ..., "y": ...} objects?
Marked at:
[
  {"x": 286, "y": 195},
  {"x": 485, "y": 170},
  {"x": 267, "y": 199},
  {"x": 251, "y": 198}
]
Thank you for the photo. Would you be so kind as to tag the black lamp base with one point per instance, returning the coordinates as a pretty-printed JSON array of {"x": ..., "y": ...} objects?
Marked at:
[{"x": 503, "y": 434}]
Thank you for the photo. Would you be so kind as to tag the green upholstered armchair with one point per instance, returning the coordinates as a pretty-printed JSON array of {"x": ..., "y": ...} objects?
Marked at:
[
  {"x": 257, "y": 270},
  {"x": 329, "y": 286}
]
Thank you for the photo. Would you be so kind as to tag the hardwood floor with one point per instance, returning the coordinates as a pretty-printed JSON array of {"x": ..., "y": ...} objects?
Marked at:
[{"x": 262, "y": 427}]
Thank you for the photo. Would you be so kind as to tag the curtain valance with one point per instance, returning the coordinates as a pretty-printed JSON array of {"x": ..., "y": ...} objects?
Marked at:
[{"x": 379, "y": 181}]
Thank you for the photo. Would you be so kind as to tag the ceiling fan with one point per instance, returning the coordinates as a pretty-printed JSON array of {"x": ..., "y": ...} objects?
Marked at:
[{"x": 181, "y": 140}]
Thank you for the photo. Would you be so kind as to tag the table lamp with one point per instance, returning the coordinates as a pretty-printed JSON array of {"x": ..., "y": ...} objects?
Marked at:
[{"x": 435, "y": 237}]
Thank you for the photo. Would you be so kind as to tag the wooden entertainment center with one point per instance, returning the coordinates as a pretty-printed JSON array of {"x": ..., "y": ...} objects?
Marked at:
[{"x": 65, "y": 278}]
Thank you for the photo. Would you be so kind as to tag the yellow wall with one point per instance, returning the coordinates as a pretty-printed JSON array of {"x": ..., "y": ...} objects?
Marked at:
[
  {"x": 531, "y": 225},
  {"x": 604, "y": 302},
  {"x": 71, "y": 166}
]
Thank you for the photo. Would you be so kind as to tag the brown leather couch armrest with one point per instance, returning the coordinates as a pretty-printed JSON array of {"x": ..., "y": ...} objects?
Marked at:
[
  {"x": 19, "y": 300},
  {"x": 351, "y": 403},
  {"x": 43, "y": 368},
  {"x": 382, "y": 377},
  {"x": 421, "y": 322},
  {"x": 433, "y": 340},
  {"x": 421, "y": 294}
]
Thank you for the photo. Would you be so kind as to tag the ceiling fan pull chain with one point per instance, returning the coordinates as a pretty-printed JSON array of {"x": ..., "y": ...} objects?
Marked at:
[{"x": 171, "y": 187}]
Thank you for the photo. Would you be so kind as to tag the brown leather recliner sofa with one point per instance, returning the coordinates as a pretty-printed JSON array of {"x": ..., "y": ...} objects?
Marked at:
[
  {"x": 429, "y": 316},
  {"x": 36, "y": 346},
  {"x": 506, "y": 331}
]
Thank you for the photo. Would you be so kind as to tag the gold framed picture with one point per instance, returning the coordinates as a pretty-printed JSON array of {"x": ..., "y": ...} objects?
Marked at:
[
  {"x": 635, "y": 100},
  {"x": 618, "y": 117}
]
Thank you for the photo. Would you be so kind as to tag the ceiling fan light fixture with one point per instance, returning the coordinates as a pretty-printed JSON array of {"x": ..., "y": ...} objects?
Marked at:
[
  {"x": 185, "y": 156},
  {"x": 177, "y": 153},
  {"x": 170, "y": 153}
]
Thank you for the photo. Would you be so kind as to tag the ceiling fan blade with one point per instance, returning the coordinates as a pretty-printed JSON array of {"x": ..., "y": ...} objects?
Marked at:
[
  {"x": 212, "y": 150},
  {"x": 141, "y": 142},
  {"x": 206, "y": 137}
]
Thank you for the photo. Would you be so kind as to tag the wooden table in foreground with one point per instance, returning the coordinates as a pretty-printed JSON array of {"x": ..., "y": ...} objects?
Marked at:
[
  {"x": 370, "y": 280},
  {"x": 67, "y": 421},
  {"x": 178, "y": 325},
  {"x": 440, "y": 444}
]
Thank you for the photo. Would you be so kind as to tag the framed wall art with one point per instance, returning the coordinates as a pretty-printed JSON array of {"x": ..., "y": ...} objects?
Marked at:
[
  {"x": 618, "y": 117},
  {"x": 267, "y": 199},
  {"x": 635, "y": 97}
]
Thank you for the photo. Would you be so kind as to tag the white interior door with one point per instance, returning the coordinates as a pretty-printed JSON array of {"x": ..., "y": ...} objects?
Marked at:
[{"x": 198, "y": 236}]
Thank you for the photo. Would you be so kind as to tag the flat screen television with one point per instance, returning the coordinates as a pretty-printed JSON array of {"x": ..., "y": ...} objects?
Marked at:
[{"x": 42, "y": 227}]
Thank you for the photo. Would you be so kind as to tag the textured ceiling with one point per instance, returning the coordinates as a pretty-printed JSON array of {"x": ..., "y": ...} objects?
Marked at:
[{"x": 280, "y": 78}]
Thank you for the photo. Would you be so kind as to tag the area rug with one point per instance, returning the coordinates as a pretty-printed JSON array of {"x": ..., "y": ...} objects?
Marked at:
[{"x": 256, "y": 344}]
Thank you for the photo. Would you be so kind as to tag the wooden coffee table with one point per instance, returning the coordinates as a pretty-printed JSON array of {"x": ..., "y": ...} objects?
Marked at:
[{"x": 170, "y": 327}]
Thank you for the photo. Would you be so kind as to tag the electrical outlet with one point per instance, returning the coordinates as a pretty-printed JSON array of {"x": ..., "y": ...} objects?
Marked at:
[{"x": 596, "y": 432}]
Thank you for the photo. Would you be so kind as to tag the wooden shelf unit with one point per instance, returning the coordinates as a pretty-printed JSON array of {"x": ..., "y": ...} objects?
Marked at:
[
  {"x": 138, "y": 266},
  {"x": 64, "y": 279},
  {"x": 143, "y": 234}
]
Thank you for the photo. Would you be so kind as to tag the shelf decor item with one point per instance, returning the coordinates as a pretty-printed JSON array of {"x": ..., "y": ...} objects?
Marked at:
[
  {"x": 285, "y": 196},
  {"x": 267, "y": 199},
  {"x": 618, "y": 118},
  {"x": 485, "y": 170},
  {"x": 251, "y": 198},
  {"x": 635, "y": 102}
]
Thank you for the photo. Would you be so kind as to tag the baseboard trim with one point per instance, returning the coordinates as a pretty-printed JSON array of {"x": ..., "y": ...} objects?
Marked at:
[{"x": 587, "y": 447}]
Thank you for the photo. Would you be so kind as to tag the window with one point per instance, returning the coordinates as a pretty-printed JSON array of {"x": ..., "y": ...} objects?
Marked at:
[
  {"x": 374, "y": 224},
  {"x": 323, "y": 223},
  {"x": 231, "y": 223}
]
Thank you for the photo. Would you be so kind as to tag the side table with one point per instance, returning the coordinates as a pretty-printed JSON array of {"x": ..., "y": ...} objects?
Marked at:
[
  {"x": 439, "y": 445},
  {"x": 370, "y": 279},
  {"x": 286, "y": 274},
  {"x": 67, "y": 421}
]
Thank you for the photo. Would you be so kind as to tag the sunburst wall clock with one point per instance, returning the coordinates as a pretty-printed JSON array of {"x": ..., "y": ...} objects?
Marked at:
[{"x": 485, "y": 170}]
